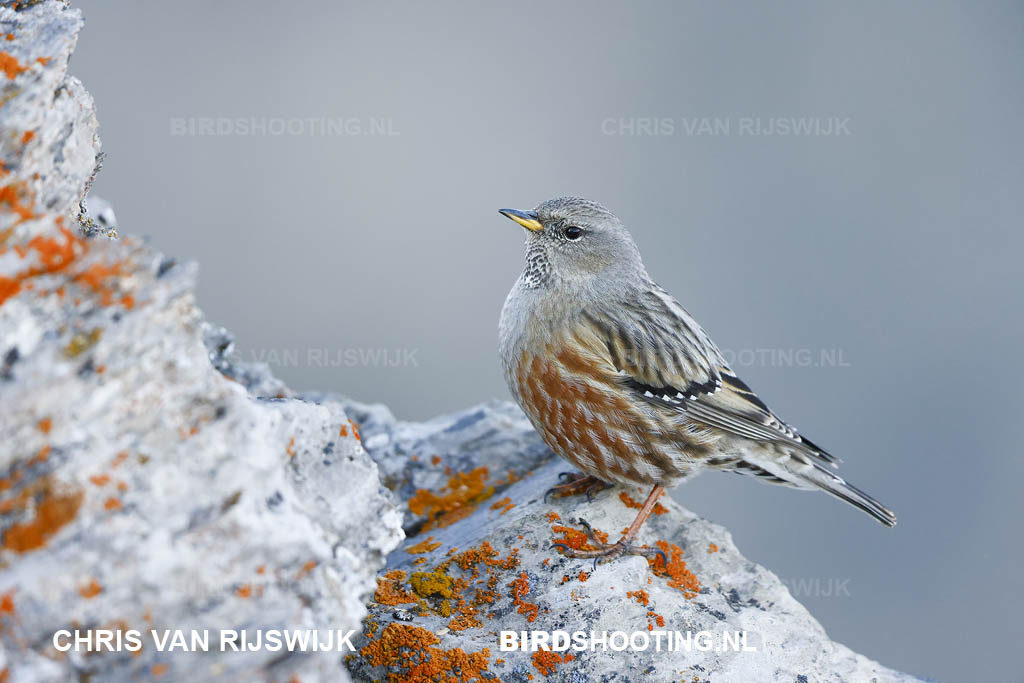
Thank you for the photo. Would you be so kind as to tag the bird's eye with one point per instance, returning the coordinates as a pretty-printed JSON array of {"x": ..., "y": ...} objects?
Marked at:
[{"x": 573, "y": 233}]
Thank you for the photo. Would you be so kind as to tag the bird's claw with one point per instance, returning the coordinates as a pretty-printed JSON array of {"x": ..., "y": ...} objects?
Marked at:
[
  {"x": 606, "y": 552},
  {"x": 575, "y": 483},
  {"x": 596, "y": 488}
]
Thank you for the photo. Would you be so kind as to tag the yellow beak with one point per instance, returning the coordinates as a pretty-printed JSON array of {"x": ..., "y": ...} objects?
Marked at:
[{"x": 527, "y": 219}]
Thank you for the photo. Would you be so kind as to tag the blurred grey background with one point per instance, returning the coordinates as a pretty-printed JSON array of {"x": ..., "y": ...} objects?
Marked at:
[{"x": 337, "y": 167}]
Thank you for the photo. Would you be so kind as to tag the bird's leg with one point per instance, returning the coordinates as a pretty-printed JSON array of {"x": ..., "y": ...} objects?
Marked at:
[
  {"x": 575, "y": 483},
  {"x": 608, "y": 552}
]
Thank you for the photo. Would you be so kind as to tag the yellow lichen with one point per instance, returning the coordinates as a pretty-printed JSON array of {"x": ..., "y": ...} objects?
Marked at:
[{"x": 436, "y": 582}]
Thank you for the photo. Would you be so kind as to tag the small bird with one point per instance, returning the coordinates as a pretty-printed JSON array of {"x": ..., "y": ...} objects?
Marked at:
[{"x": 621, "y": 381}]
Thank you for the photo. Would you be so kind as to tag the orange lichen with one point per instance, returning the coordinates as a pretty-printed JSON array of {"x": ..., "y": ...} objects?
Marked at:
[
  {"x": 10, "y": 65},
  {"x": 128, "y": 301},
  {"x": 521, "y": 587},
  {"x": 629, "y": 502},
  {"x": 100, "y": 479},
  {"x": 45, "y": 425},
  {"x": 583, "y": 576},
  {"x": 159, "y": 670},
  {"x": 553, "y": 517},
  {"x": 290, "y": 450},
  {"x": 459, "y": 595},
  {"x": 44, "y": 60},
  {"x": 428, "y": 545},
  {"x": 390, "y": 590},
  {"x": 6, "y": 609},
  {"x": 9, "y": 482},
  {"x": 577, "y": 539},
  {"x": 546, "y": 661},
  {"x": 98, "y": 277},
  {"x": 485, "y": 554},
  {"x": 91, "y": 589},
  {"x": 9, "y": 36},
  {"x": 505, "y": 504},
  {"x": 676, "y": 571},
  {"x": 119, "y": 459},
  {"x": 355, "y": 430},
  {"x": 42, "y": 455},
  {"x": 456, "y": 501},
  {"x": 53, "y": 510},
  {"x": 412, "y": 650},
  {"x": 306, "y": 569},
  {"x": 27, "y": 136},
  {"x": 12, "y": 196},
  {"x": 244, "y": 591},
  {"x": 8, "y": 287},
  {"x": 19, "y": 501},
  {"x": 343, "y": 431},
  {"x": 463, "y": 622},
  {"x": 52, "y": 253},
  {"x": 435, "y": 460},
  {"x": 658, "y": 619},
  {"x": 712, "y": 548},
  {"x": 640, "y": 596}
]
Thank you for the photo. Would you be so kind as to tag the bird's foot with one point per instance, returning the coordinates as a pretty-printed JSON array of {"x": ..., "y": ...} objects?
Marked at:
[
  {"x": 606, "y": 552},
  {"x": 574, "y": 484}
]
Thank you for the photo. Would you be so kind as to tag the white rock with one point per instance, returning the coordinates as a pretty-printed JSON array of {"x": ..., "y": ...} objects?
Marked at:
[
  {"x": 50, "y": 144},
  {"x": 140, "y": 486},
  {"x": 734, "y": 594},
  {"x": 148, "y": 480}
]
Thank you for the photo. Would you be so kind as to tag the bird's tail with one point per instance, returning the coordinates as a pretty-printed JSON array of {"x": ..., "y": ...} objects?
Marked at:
[{"x": 834, "y": 484}]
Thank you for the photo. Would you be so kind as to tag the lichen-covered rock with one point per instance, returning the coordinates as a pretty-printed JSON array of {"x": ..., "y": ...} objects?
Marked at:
[
  {"x": 482, "y": 562},
  {"x": 148, "y": 481},
  {"x": 483, "y": 447},
  {"x": 48, "y": 127}
]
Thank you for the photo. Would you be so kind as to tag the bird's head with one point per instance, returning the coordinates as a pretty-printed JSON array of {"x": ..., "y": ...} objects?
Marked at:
[{"x": 574, "y": 241}]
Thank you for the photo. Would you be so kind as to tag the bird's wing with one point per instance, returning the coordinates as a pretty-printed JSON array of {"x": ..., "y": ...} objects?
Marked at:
[{"x": 664, "y": 356}]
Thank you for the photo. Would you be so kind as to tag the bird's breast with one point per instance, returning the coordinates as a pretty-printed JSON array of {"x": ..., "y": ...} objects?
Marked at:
[{"x": 571, "y": 397}]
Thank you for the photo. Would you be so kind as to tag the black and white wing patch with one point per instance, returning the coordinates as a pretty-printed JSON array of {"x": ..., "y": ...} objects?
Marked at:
[
  {"x": 660, "y": 352},
  {"x": 731, "y": 405}
]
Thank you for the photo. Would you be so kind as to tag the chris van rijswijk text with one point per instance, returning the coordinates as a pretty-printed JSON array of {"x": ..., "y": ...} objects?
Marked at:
[{"x": 225, "y": 640}]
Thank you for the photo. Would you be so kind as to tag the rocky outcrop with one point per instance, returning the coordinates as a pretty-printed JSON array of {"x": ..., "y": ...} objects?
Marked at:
[
  {"x": 49, "y": 145},
  {"x": 479, "y": 561},
  {"x": 146, "y": 480},
  {"x": 151, "y": 482}
]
